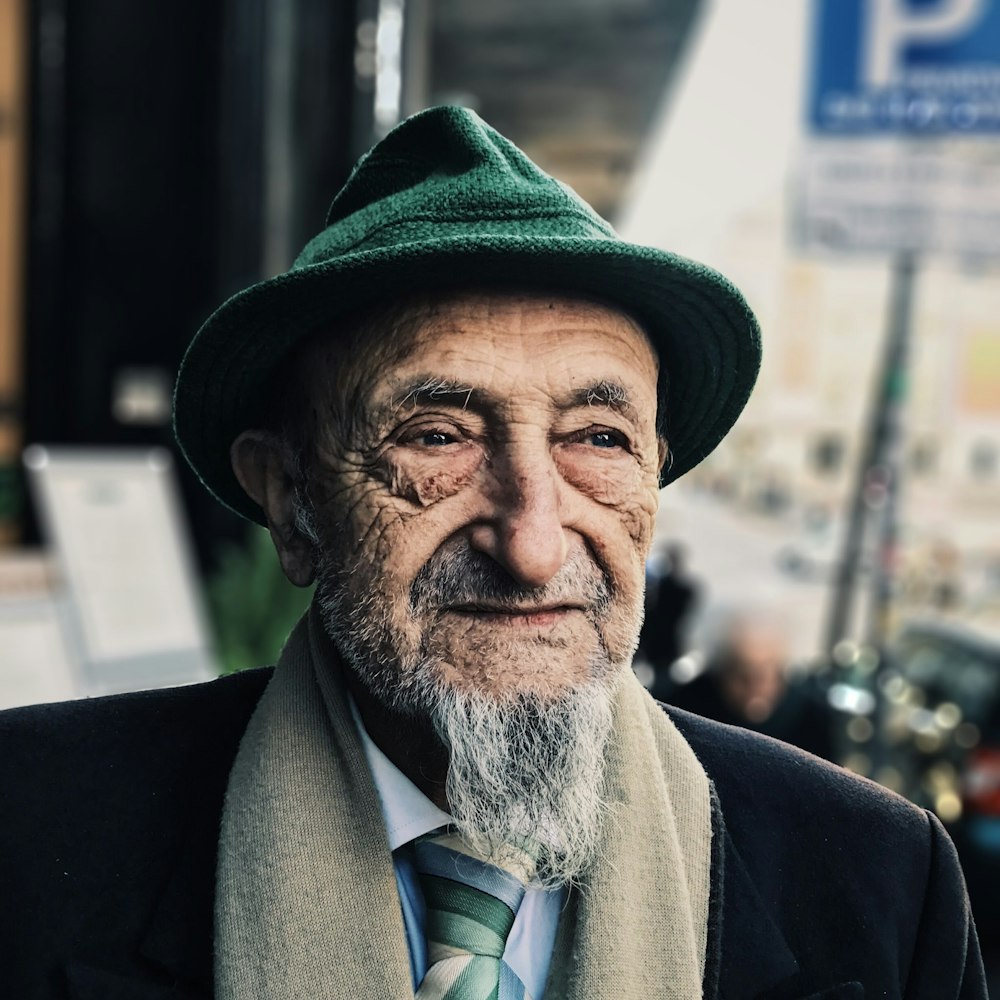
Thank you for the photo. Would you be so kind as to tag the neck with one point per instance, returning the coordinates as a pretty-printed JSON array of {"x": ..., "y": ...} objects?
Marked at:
[{"x": 410, "y": 743}]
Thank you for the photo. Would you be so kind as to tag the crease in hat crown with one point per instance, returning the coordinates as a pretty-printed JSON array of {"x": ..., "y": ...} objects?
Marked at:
[
  {"x": 445, "y": 202},
  {"x": 445, "y": 173}
]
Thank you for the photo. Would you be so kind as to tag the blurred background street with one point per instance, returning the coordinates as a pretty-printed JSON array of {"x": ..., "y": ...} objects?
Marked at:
[
  {"x": 747, "y": 560},
  {"x": 830, "y": 575}
]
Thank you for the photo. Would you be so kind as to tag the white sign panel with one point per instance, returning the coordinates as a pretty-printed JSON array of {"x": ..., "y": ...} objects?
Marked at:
[
  {"x": 35, "y": 662},
  {"x": 884, "y": 195},
  {"x": 118, "y": 536}
]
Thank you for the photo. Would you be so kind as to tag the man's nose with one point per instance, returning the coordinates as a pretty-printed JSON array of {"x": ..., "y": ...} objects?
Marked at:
[{"x": 524, "y": 531}]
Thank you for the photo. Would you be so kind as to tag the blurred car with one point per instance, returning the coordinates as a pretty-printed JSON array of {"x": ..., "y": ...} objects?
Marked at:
[
  {"x": 815, "y": 549},
  {"x": 941, "y": 725}
]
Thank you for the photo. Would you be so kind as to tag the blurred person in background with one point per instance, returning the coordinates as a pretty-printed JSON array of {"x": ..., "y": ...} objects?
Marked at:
[
  {"x": 454, "y": 413},
  {"x": 671, "y": 599},
  {"x": 747, "y": 682}
]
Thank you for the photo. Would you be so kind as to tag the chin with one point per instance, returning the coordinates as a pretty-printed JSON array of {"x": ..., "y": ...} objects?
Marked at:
[
  {"x": 506, "y": 668},
  {"x": 512, "y": 680}
]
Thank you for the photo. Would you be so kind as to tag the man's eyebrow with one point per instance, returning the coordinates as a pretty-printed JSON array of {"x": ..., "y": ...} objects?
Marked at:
[
  {"x": 427, "y": 390},
  {"x": 431, "y": 389},
  {"x": 608, "y": 393}
]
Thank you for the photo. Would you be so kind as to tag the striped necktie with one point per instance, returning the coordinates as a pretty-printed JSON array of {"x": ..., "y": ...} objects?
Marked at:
[{"x": 471, "y": 905}]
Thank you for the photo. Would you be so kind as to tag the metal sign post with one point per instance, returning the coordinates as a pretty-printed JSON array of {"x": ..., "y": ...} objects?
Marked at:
[
  {"x": 882, "y": 483},
  {"x": 880, "y": 471}
]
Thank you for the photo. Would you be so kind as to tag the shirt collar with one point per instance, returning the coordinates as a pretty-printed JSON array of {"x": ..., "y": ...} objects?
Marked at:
[{"x": 407, "y": 812}]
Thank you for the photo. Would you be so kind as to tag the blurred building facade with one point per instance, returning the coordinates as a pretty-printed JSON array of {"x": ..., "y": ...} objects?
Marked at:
[
  {"x": 717, "y": 182},
  {"x": 800, "y": 444},
  {"x": 155, "y": 159},
  {"x": 798, "y": 448}
]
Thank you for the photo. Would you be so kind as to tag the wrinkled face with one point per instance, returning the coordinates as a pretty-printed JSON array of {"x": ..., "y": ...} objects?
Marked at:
[{"x": 485, "y": 507}]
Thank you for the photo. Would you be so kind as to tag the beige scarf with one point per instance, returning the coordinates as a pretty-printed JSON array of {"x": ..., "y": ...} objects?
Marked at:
[{"x": 306, "y": 900}]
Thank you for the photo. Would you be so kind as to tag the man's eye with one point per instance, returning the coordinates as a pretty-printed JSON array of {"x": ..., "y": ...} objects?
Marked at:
[
  {"x": 606, "y": 439},
  {"x": 434, "y": 439}
]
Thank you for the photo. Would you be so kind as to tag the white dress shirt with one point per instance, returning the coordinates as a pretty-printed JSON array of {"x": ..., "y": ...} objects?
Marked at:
[{"x": 409, "y": 814}]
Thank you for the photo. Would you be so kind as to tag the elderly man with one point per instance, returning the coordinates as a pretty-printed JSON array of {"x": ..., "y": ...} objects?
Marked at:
[{"x": 454, "y": 413}]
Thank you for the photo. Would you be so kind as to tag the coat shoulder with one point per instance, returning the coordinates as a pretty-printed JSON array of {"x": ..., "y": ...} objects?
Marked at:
[
  {"x": 106, "y": 724},
  {"x": 105, "y": 800},
  {"x": 865, "y": 886},
  {"x": 119, "y": 760},
  {"x": 758, "y": 774}
]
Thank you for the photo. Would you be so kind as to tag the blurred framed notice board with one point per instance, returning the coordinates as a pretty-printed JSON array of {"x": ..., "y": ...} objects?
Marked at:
[
  {"x": 131, "y": 613},
  {"x": 36, "y": 664}
]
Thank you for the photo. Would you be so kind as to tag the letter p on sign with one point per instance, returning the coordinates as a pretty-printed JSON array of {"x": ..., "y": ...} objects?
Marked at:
[{"x": 892, "y": 25}]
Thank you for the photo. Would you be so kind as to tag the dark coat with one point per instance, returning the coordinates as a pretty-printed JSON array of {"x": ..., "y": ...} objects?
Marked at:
[{"x": 824, "y": 885}]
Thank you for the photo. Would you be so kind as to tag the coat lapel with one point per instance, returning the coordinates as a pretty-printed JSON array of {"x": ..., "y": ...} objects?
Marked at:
[
  {"x": 175, "y": 950},
  {"x": 755, "y": 954},
  {"x": 178, "y": 939},
  {"x": 85, "y": 982},
  {"x": 748, "y": 954}
]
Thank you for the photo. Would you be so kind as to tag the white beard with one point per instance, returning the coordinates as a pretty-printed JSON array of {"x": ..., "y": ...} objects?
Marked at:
[
  {"x": 521, "y": 768},
  {"x": 528, "y": 772}
]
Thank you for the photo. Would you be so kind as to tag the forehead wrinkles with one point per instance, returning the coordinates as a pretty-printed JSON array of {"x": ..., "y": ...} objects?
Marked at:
[
  {"x": 337, "y": 370},
  {"x": 516, "y": 322}
]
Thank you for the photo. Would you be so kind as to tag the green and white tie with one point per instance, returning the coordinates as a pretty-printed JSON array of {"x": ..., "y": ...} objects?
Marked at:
[{"x": 471, "y": 905}]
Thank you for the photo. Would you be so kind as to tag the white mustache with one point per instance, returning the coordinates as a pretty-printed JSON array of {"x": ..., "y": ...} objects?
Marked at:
[{"x": 463, "y": 577}]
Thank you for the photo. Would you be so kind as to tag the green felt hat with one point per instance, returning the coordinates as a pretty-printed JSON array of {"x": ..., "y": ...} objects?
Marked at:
[{"x": 442, "y": 202}]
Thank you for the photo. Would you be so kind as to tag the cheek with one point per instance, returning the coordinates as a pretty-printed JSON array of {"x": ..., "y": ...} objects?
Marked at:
[
  {"x": 619, "y": 538},
  {"x": 391, "y": 520},
  {"x": 424, "y": 481},
  {"x": 639, "y": 517},
  {"x": 628, "y": 493},
  {"x": 608, "y": 483},
  {"x": 627, "y": 483}
]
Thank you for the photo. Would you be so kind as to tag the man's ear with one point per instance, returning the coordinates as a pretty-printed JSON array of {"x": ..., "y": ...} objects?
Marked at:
[{"x": 262, "y": 464}]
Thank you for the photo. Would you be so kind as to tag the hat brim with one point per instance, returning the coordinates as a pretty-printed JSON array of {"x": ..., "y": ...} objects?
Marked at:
[{"x": 702, "y": 329}]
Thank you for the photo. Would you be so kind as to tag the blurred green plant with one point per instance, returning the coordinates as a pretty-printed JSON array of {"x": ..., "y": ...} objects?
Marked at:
[{"x": 252, "y": 605}]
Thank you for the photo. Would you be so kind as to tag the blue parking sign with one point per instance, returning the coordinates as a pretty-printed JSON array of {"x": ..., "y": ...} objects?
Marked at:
[{"x": 911, "y": 67}]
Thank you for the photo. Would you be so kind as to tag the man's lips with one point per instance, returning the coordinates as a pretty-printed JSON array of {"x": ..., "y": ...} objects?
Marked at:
[{"x": 547, "y": 614}]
